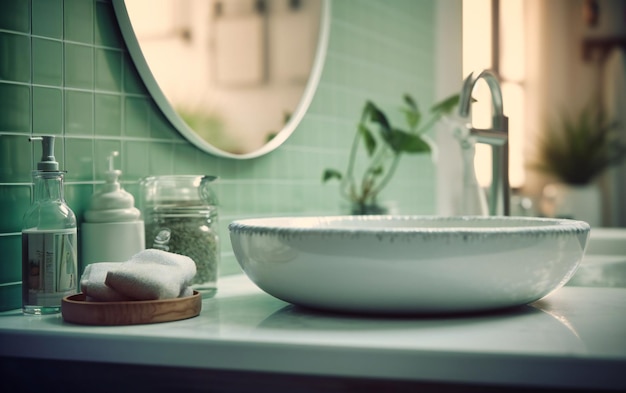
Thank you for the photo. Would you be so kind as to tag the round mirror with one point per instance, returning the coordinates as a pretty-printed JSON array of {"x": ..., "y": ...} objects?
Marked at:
[{"x": 234, "y": 77}]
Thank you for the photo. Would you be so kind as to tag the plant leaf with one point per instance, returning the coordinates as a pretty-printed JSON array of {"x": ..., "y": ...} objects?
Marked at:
[
  {"x": 412, "y": 114},
  {"x": 408, "y": 99},
  {"x": 377, "y": 171},
  {"x": 331, "y": 174},
  {"x": 368, "y": 139},
  {"x": 447, "y": 105},
  {"x": 405, "y": 142},
  {"x": 412, "y": 118},
  {"x": 377, "y": 116}
]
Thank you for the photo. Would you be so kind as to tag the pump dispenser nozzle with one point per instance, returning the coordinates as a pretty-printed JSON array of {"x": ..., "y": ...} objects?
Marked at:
[
  {"x": 112, "y": 203},
  {"x": 112, "y": 175},
  {"x": 48, "y": 163}
]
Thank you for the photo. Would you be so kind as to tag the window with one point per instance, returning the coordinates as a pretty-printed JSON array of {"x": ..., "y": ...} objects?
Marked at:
[{"x": 493, "y": 38}]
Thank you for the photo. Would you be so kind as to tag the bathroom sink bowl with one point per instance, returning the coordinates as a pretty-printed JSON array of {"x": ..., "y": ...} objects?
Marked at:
[{"x": 409, "y": 264}]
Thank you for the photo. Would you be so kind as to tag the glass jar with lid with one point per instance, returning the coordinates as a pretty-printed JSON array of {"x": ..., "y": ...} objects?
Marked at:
[{"x": 180, "y": 215}]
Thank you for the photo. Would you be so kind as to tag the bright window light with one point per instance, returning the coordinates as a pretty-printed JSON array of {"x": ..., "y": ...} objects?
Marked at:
[{"x": 478, "y": 38}]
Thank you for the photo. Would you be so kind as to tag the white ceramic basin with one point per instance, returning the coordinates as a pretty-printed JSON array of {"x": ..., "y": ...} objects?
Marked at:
[{"x": 409, "y": 264}]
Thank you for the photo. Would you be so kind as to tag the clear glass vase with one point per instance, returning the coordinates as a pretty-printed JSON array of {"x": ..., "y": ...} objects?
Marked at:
[{"x": 360, "y": 209}]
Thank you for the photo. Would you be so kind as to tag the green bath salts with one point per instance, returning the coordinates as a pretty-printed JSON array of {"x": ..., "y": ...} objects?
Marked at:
[{"x": 192, "y": 235}]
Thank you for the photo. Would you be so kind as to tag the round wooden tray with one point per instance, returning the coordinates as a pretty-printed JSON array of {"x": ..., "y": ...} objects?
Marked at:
[{"x": 76, "y": 309}]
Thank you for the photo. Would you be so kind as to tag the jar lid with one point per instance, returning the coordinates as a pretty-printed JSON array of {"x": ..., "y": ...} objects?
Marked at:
[{"x": 179, "y": 188}]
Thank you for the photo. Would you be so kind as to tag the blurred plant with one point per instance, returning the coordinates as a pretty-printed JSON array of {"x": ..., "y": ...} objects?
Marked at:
[
  {"x": 579, "y": 148},
  {"x": 209, "y": 127},
  {"x": 384, "y": 149}
]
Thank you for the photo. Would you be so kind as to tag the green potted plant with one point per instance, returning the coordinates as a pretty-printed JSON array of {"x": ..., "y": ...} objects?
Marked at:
[
  {"x": 384, "y": 146},
  {"x": 574, "y": 152}
]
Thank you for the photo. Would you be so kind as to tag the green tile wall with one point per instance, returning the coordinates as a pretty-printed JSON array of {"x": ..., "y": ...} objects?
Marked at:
[{"x": 64, "y": 70}]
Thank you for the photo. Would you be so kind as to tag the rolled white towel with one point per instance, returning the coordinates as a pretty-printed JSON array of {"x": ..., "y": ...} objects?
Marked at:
[
  {"x": 93, "y": 286},
  {"x": 186, "y": 291},
  {"x": 153, "y": 274}
]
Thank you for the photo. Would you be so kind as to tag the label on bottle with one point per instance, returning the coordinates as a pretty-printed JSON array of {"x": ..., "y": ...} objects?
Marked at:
[{"x": 49, "y": 266}]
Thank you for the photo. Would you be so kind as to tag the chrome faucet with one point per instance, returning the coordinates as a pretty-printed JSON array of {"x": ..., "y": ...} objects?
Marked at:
[{"x": 497, "y": 137}]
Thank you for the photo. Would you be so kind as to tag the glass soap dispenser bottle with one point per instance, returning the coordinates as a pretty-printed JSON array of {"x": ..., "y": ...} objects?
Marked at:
[
  {"x": 113, "y": 230},
  {"x": 49, "y": 243}
]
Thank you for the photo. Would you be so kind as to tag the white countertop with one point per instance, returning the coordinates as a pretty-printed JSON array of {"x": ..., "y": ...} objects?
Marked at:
[{"x": 575, "y": 337}]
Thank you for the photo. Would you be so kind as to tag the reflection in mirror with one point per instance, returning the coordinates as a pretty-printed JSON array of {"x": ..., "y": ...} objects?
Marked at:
[{"x": 234, "y": 77}]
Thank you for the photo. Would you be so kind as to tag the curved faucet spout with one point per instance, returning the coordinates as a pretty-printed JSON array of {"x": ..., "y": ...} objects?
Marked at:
[
  {"x": 496, "y": 96},
  {"x": 497, "y": 136}
]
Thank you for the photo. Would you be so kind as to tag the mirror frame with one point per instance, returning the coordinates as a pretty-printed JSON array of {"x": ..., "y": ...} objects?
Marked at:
[{"x": 183, "y": 128}]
